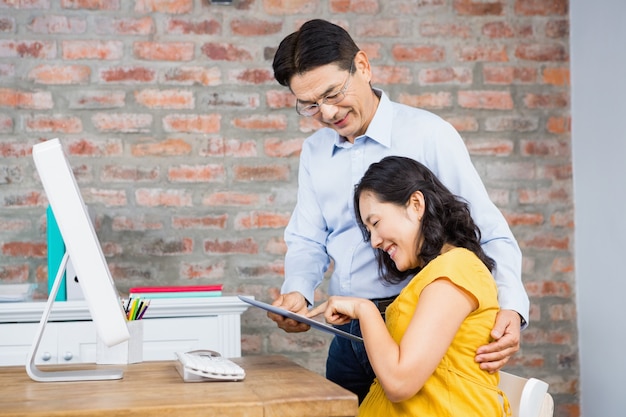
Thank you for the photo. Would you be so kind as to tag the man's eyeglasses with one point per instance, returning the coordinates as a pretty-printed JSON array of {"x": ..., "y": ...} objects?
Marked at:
[{"x": 309, "y": 110}]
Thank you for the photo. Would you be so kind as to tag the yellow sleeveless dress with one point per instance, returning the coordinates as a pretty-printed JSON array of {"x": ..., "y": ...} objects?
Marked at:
[{"x": 458, "y": 387}]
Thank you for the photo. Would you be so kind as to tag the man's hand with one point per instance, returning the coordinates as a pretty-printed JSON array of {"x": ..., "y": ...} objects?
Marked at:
[
  {"x": 506, "y": 335},
  {"x": 295, "y": 302}
]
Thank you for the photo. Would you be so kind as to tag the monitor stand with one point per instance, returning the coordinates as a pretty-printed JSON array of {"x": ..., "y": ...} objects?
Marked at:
[{"x": 62, "y": 376}]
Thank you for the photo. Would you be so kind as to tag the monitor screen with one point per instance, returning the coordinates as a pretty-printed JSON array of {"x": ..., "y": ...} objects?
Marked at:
[{"x": 82, "y": 244}]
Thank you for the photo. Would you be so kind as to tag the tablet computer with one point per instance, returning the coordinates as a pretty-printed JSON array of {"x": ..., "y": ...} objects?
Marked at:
[{"x": 300, "y": 318}]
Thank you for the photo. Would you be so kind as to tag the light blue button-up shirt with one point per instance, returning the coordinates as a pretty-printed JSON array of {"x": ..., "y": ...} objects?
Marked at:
[{"x": 323, "y": 225}]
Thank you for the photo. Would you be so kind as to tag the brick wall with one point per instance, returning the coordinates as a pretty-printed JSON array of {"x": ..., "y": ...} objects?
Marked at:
[{"x": 186, "y": 149}]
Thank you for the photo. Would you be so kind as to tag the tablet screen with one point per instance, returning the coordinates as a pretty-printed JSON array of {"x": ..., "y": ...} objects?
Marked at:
[{"x": 302, "y": 319}]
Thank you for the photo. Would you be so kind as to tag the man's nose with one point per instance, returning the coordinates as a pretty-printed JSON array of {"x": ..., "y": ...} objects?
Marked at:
[{"x": 328, "y": 111}]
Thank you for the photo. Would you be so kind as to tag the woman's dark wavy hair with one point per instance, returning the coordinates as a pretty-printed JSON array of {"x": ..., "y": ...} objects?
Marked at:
[
  {"x": 446, "y": 219},
  {"x": 317, "y": 43}
]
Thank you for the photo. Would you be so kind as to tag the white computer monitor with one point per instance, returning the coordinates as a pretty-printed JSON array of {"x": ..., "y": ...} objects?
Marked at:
[{"x": 83, "y": 247}]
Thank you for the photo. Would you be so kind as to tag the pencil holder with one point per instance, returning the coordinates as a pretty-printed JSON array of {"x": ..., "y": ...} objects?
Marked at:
[{"x": 130, "y": 351}]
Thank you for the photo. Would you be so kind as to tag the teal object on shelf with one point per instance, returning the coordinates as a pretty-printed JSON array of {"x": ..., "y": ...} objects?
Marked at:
[{"x": 56, "y": 251}]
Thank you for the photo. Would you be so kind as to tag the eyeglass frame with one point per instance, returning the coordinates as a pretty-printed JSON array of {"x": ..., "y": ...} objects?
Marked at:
[{"x": 324, "y": 100}]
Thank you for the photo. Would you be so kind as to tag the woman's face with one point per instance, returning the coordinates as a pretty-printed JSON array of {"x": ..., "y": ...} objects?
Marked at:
[{"x": 394, "y": 229}]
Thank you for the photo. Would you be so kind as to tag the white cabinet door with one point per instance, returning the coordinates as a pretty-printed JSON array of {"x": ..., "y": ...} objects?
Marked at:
[{"x": 16, "y": 340}]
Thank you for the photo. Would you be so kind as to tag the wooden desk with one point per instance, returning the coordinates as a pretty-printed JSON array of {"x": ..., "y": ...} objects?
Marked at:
[{"x": 274, "y": 386}]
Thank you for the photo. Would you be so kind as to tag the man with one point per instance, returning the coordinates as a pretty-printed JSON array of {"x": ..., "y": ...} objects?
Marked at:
[{"x": 330, "y": 77}]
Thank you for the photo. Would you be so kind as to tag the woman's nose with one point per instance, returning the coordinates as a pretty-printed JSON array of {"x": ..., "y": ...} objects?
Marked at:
[{"x": 375, "y": 241}]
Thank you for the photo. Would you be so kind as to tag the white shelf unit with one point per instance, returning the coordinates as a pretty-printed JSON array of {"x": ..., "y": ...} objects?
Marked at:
[{"x": 170, "y": 325}]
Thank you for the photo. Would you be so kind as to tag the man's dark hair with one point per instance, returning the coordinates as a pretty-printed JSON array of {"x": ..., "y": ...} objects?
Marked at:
[
  {"x": 317, "y": 43},
  {"x": 446, "y": 219}
]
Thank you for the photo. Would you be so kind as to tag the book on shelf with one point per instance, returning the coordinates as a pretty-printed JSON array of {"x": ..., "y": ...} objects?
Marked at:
[{"x": 177, "y": 291}]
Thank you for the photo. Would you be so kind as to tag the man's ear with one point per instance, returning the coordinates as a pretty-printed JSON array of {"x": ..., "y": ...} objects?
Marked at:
[{"x": 362, "y": 64}]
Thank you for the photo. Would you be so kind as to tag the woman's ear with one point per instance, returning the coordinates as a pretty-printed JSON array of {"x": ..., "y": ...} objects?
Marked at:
[{"x": 418, "y": 204}]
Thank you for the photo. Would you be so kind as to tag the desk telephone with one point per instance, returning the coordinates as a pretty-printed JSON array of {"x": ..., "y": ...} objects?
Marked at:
[{"x": 207, "y": 365}]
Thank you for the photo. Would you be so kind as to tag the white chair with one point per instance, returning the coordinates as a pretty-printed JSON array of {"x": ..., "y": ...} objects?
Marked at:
[{"x": 528, "y": 397}]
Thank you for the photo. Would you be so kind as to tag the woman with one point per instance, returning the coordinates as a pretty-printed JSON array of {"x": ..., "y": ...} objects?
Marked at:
[{"x": 423, "y": 356}]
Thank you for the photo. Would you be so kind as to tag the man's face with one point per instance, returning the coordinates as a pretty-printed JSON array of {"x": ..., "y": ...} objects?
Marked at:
[{"x": 350, "y": 116}]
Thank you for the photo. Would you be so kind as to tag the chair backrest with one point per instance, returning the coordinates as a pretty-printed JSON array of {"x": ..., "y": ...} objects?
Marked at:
[{"x": 528, "y": 397}]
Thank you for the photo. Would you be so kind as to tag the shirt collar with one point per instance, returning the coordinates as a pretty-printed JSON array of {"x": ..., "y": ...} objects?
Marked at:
[{"x": 379, "y": 129}]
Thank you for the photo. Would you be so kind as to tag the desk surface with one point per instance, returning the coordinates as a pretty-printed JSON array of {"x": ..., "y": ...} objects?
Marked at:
[{"x": 274, "y": 386}]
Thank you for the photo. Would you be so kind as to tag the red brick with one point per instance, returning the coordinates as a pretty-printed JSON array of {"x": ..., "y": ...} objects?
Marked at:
[
  {"x": 200, "y": 173},
  {"x": 127, "y": 75},
  {"x": 53, "y": 123},
  {"x": 283, "y": 148},
  {"x": 205, "y": 222},
  {"x": 549, "y": 289},
  {"x": 261, "y": 173},
  {"x": 545, "y": 147},
  {"x": 418, "y": 53},
  {"x": 13, "y": 273},
  {"x": 25, "y": 249},
  {"x": 122, "y": 122},
  {"x": 168, "y": 247},
  {"x": 121, "y": 223},
  {"x": 117, "y": 173},
  {"x": 377, "y": 28},
  {"x": 125, "y": 26},
  {"x": 58, "y": 24},
  {"x": 26, "y": 199},
  {"x": 229, "y": 147},
  {"x": 280, "y": 99},
  {"x": 164, "y": 6},
  {"x": 464, "y": 123},
  {"x": 254, "y": 27},
  {"x": 392, "y": 75},
  {"x": 493, "y": 53},
  {"x": 186, "y": 27},
  {"x": 558, "y": 29},
  {"x": 108, "y": 198},
  {"x": 261, "y": 122},
  {"x": 7, "y": 24},
  {"x": 104, "y": 50},
  {"x": 288, "y": 8},
  {"x": 251, "y": 76},
  {"x": 428, "y": 100},
  {"x": 91, "y": 4},
  {"x": 164, "y": 51},
  {"x": 447, "y": 75},
  {"x": 52, "y": 74},
  {"x": 226, "y": 52},
  {"x": 208, "y": 123},
  {"x": 563, "y": 265},
  {"x": 546, "y": 101},
  {"x": 261, "y": 220},
  {"x": 562, "y": 219},
  {"x": 165, "y": 99},
  {"x": 231, "y": 198},
  {"x": 498, "y": 30},
  {"x": 556, "y": 76},
  {"x": 545, "y": 196},
  {"x": 492, "y": 100},
  {"x": 541, "y": 7},
  {"x": 439, "y": 30},
  {"x": 97, "y": 99},
  {"x": 193, "y": 75},
  {"x": 40, "y": 100},
  {"x": 160, "y": 197},
  {"x": 28, "y": 49},
  {"x": 6, "y": 124},
  {"x": 276, "y": 246},
  {"x": 242, "y": 246},
  {"x": 558, "y": 125},
  {"x": 360, "y": 6},
  {"x": 509, "y": 75},
  {"x": 203, "y": 270},
  {"x": 511, "y": 123},
  {"x": 94, "y": 148},
  {"x": 168, "y": 147},
  {"x": 491, "y": 147},
  {"x": 478, "y": 8},
  {"x": 524, "y": 219},
  {"x": 542, "y": 52}
]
